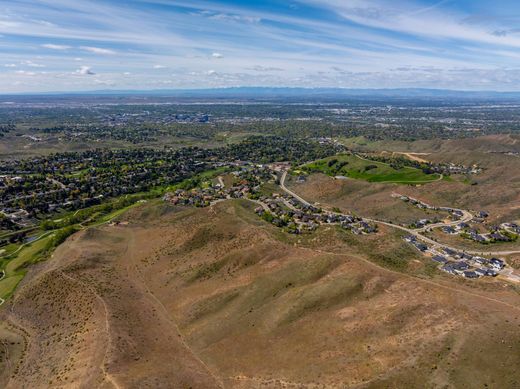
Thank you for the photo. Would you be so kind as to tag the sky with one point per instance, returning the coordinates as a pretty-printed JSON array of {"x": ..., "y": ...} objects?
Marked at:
[{"x": 81, "y": 45}]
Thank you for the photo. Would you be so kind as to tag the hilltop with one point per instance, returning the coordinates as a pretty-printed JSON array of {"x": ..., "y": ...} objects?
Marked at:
[{"x": 216, "y": 297}]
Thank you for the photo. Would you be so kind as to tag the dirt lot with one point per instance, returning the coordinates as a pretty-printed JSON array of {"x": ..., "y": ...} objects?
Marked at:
[{"x": 215, "y": 297}]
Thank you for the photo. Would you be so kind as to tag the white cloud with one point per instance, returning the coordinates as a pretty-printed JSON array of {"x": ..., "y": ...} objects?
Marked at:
[
  {"x": 291, "y": 47},
  {"x": 98, "y": 50},
  {"x": 85, "y": 71},
  {"x": 259, "y": 68},
  {"x": 24, "y": 72},
  {"x": 424, "y": 22},
  {"x": 10, "y": 65},
  {"x": 235, "y": 18},
  {"x": 32, "y": 64},
  {"x": 56, "y": 47}
]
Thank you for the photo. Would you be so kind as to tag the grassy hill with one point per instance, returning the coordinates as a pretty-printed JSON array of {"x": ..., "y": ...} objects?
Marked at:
[{"x": 354, "y": 166}]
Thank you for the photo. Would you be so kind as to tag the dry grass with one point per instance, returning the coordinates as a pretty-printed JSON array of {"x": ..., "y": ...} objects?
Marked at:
[{"x": 216, "y": 297}]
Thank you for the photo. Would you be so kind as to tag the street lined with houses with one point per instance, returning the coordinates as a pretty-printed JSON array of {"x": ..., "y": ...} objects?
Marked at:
[
  {"x": 294, "y": 214},
  {"x": 469, "y": 264}
]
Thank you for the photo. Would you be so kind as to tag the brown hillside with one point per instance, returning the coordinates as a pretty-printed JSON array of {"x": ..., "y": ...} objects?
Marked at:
[{"x": 215, "y": 297}]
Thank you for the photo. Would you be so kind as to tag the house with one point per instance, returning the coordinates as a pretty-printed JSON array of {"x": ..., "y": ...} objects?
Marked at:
[
  {"x": 499, "y": 237},
  {"x": 480, "y": 260},
  {"x": 331, "y": 218},
  {"x": 482, "y": 214},
  {"x": 300, "y": 179},
  {"x": 460, "y": 267},
  {"x": 448, "y": 269},
  {"x": 439, "y": 259},
  {"x": 463, "y": 226},
  {"x": 369, "y": 229},
  {"x": 478, "y": 238},
  {"x": 421, "y": 246},
  {"x": 457, "y": 212},
  {"x": 497, "y": 263},
  {"x": 421, "y": 223},
  {"x": 481, "y": 272},
  {"x": 470, "y": 274},
  {"x": 449, "y": 230},
  {"x": 449, "y": 251}
]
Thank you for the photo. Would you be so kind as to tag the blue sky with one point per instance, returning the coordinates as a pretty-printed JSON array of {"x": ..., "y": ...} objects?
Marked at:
[{"x": 73, "y": 45}]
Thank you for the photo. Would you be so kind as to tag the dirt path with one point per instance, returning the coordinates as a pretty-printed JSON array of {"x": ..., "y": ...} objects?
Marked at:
[
  {"x": 412, "y": 156},
  {"x": 136, "y": 274},
  {"x": 108, "y": 344}
]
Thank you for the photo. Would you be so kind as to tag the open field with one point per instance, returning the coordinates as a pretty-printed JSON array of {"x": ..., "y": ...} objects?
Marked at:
[
  {"x": 356, "y": 167},
  {"x": 216, "y": 297}
]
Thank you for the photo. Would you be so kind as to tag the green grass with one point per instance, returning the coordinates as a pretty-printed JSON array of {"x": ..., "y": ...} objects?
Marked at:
[
  {"x": 26, "y": 255},
  {"x": 16, "y": 265},
  {"x": 198, "y": 179},
  {"x": 354, "y": 141},
  {"x": 8, "y": 285},
  {"x": 355, "y": 167}
]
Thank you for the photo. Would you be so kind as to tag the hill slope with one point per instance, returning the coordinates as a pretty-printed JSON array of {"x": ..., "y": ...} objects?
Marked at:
[{"x": 215, "y": 297}]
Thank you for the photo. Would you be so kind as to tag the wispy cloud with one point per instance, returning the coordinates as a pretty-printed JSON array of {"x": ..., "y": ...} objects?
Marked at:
[
  {"x": 55, "y": 47},
  {"x": 32, "y": 64},
  {"x": 206, "y": 43},
  {"x": 98, "y": 50}
]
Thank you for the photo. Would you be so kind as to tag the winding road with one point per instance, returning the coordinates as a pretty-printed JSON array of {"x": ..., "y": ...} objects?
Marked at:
[{"x": 417, "y": 233}]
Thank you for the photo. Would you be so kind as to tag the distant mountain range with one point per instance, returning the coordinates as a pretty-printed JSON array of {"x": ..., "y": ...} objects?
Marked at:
[{"x": 267, "y": 93}]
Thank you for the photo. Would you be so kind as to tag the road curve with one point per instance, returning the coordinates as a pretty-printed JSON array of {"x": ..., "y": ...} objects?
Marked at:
[{"x": 416, "y": 233}]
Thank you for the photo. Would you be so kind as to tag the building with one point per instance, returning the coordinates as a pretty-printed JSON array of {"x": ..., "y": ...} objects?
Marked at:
[{"x": 439, "y": 259}]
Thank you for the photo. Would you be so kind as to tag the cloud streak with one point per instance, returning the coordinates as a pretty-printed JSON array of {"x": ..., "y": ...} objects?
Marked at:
[
  {"x": 355, "y": 43},
  {"x": 98, "y": 50},
  {"x": 55, "y": 47}
]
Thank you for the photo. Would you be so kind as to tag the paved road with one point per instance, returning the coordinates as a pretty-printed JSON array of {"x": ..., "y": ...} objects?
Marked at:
[
  {"x": 466, "y": 217},
  {"x": 417, "y": 232},
  {"x": 282, "y": 185}
]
